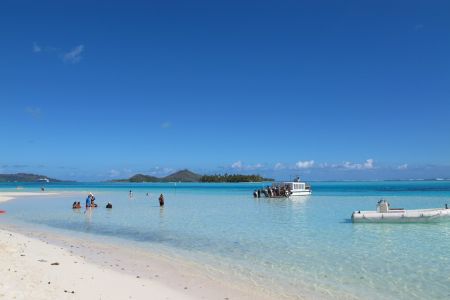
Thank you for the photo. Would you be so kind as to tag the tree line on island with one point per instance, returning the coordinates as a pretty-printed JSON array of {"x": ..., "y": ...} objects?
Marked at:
[
  {"x": 233, "y": 178},
  {"x": 188, "y": 176},
  {"x": 26, "y": 177},
  {"x": 180, "y": 176}
]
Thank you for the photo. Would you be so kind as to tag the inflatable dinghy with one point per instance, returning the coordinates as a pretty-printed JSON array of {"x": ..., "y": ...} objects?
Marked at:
[{"x": 385, "y": 214}]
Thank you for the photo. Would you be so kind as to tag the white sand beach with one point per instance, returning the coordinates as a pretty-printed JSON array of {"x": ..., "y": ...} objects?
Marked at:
[
  {"x": 37, "y": 264},
  {"x": 6, "y": 196},
  {"x": 32, "y": 269}
]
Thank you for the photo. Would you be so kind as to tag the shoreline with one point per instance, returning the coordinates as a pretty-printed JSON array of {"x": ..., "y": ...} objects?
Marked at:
[
  {"x": 7, "y": 196},
  {"x": 131, "y": 269},
  {"x": 162, "y": 276}
]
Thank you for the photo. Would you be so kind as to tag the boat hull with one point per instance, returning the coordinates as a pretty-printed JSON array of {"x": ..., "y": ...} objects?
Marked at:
[
  {"x": 406, "y": 216},
  {"x": 300, "y": 193}
]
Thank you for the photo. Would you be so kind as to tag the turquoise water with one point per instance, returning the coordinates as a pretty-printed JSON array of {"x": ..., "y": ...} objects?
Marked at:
[{"x": 306, "y": 246}]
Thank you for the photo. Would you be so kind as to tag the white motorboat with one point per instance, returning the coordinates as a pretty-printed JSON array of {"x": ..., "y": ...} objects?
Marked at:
[
  {"x": 298, "y": 188},
  {"x": 285, "y": 189},
  {"x": 386, "y": 214}
]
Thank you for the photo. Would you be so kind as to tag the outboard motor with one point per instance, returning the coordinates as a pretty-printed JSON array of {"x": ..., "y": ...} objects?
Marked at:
[{"x": 382, "y": 206}]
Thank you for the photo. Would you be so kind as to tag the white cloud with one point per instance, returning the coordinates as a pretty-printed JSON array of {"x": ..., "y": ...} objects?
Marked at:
[
  {"x": 237, "y": 165},
  {"x": 349, "y": 165},
  {"x": 279, "y": 166},
  {"x": 36, "y": 48},
  {"x": 368, "y": 164},
  {"x": 74, "y": 55},
  {"x": 402, "y": 167},
  {"x": 306, "y": 164}
]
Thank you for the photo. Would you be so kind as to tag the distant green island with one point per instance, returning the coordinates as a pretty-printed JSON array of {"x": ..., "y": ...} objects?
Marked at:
[
  {"x": 180, "y": 176},
  {"x": 188, "y": 176},
  {"x": 183, "y": 176},
  {"x": 233, "y": 178},
  {"x": 26, "y": 177}
]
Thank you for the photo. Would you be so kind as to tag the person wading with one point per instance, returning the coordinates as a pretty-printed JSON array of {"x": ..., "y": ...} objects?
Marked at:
[{"x": 161, "y": 200}]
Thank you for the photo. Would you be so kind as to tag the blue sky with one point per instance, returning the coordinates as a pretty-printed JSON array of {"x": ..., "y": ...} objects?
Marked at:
[{"x": 324, "y": 89}]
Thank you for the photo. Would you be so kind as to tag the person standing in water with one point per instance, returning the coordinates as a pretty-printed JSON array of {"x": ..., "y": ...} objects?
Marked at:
[
  {"x": 161, "y": 200},
  {"x": 88, "y": 201},
  {"x": 130, "y": 194}
]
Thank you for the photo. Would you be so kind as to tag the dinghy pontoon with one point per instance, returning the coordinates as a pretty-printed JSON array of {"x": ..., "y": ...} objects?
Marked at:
[{"x": 385, "y": 214}]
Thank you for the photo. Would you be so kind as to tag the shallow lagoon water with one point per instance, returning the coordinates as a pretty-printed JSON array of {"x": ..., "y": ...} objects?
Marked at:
[{"x": 301, "y": 246}]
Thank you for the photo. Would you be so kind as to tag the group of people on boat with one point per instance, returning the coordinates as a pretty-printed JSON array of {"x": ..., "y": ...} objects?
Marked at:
[{"x": 273, "y": 191}]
